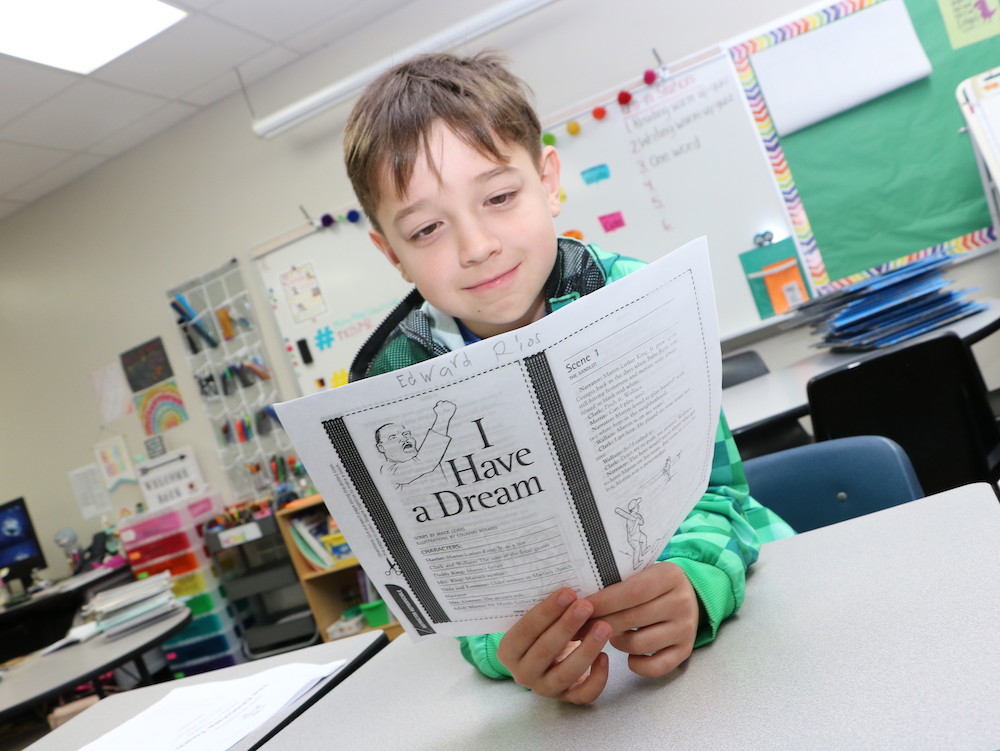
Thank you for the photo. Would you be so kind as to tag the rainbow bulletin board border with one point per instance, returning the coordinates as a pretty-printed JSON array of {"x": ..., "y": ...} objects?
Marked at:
[
  {"x": 160, "y": 408},
  {"x": 740, "y": 55}
]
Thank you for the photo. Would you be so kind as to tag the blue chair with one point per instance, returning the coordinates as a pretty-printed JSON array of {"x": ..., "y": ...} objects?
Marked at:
[{"x": 831, "y": 481}]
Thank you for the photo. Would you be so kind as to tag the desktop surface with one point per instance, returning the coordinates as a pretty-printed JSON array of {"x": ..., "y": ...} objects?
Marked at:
[
  {"x": 110, "y": 712},
  {"x": 879, "y": 632},
  {"x": 39, "y": 677},
  {"x": 43, "y": 617},
  {"x": 781, "y": 393}
]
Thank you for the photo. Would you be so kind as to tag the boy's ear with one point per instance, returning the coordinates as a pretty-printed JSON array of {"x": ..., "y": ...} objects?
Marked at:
[
  {"x": 549, "y": 171},
  {"x": 383, "y": 245}
]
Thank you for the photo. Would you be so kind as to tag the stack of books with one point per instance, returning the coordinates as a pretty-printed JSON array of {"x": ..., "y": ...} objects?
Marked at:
[
  {"x": 890, "y": 308},
  {"x": 319, "y": 539},
  {"x": 122, "y": 610}
]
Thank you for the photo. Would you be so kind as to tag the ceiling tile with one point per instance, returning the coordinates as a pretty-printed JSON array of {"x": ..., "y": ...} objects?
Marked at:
[
  {"x": 190, "y": 5},
  {"x": 184, "y": 57},
  {"x": 61, "y": 174},
  {"x": 140, "y": 130},
  {"x": 21, "y": 163},
  {"x": 80, "y": 116},
  {"x": 26, "y": 85},
  {"x": 252, "y": 70},
  {"x": 278, "y": 21},
  {"x": 356, "y": 17}
]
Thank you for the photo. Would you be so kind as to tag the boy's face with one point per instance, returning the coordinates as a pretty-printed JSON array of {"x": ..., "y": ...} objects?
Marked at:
[{"x": 477, "y": 240}]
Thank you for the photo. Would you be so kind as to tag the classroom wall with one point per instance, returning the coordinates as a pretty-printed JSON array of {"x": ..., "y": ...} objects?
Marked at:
[{"x": 83, "y": 271}]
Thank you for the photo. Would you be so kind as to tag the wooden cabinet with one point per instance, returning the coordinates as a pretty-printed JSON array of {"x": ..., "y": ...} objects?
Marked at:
[{"x": 329, "y": 592}]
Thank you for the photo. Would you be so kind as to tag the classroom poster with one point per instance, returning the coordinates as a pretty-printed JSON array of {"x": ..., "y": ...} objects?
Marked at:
[
  {"x": 114, "y": 463},
  {"x": 302, "y": 293},
  {"x": 146, "y": 365},
  {"x": 172, "y": 477},
  {"x": 160, "y": 408},
  {"x": 91, "y": 494},
  {"x": 113, "y": 398},
  {"x": 970, "y": 21}
]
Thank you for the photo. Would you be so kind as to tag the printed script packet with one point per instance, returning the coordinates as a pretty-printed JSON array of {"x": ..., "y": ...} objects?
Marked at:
[{"x": 563, "y": 454}]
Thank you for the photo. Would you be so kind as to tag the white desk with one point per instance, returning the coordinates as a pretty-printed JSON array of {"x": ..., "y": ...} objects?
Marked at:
[
  {"x": 108, "y": 713},
  {"x": 881, "y": 632},
  {"x": 39, "y": 677},
  {"x": 782, "y": 393}
]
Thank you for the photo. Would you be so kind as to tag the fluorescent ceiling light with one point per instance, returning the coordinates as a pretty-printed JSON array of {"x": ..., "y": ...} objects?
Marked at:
[
  {"x": 472, "y": 28},
  {"x": 80, "y": 35}
]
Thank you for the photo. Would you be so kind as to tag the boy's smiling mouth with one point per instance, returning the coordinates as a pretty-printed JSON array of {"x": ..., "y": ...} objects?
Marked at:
[{"x": 493, "y": 282}]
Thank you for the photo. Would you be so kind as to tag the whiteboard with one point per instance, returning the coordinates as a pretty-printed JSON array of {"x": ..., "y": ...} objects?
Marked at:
[
  {"x": 681, "y": 160},
  {"x": 328, "y": 287}
]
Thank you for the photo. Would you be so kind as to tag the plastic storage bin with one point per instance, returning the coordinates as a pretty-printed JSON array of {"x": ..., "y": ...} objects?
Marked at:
[
  {"x": 177, "y": 565},
  {"x": 376, "y": 612},
  {"x": 214, "y": 662},
  {"x": 197, "y": 582},
  {"x": 206, "y": 602},
  {"x": 202, "y": 648},
  {"x": 135, "y": 529},
  {"x": 201, "y": 627},
  {"x": 160, "y": 547}
]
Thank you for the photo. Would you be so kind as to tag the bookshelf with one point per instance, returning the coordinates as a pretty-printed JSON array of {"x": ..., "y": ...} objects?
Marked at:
[{"x": 331, "y": 591}]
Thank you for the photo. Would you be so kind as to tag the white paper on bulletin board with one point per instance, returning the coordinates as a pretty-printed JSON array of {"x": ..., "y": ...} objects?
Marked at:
[
  {"x": 838, "y": 66},
  {"x": 328, "y": 288},
  {"x": 681, "y": 160}
]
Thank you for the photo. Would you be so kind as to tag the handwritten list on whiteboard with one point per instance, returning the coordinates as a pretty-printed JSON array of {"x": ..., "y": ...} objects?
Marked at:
[{"x": 682, "y": 159}]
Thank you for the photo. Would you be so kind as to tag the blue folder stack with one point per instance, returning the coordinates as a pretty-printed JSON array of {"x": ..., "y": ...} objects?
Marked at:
[{"x": 890, "y": 308}]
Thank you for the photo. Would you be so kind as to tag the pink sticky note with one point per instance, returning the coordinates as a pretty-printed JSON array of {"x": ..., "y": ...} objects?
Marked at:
[{"x": 611, "y": 222}]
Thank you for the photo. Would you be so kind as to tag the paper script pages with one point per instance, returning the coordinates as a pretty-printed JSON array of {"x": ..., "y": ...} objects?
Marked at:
[{"x": 565, "y": 453}]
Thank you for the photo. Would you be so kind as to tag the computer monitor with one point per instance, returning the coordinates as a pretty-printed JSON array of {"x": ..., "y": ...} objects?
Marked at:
[{"x": 20, "y": 549}]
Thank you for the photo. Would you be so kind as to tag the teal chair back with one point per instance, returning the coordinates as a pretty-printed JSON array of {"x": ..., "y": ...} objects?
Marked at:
[{"x": 831, "y": 481}]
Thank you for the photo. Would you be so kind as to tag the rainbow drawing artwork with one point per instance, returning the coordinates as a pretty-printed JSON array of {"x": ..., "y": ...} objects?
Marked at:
[{"x": 160, "y": 408}]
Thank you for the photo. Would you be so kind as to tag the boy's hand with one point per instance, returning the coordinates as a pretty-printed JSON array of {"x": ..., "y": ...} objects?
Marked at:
[
  {"x": 541, "y": 653},
  {"x": 653, "y": 616}
]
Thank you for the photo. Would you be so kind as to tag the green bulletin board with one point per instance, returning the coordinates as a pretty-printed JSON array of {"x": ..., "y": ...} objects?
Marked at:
[{"x": 896, "y": 175}]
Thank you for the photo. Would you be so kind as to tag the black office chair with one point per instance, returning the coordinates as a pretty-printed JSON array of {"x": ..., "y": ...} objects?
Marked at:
[
  {"x": 831, "y": 481},
  {"x": 763, "y": 439},
  {"x": 742, "y": 366},
  {"x": 929, "y": 397}
]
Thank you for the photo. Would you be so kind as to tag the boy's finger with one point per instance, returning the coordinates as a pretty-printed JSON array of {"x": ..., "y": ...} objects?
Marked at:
[
  {"x": 553, "y": 640},
  {"x": 641, "y": 588},
  {"x": 523, "y": 634},
  {"x": 589, "y": 689},
  {"x": 659, "y": 663},
  {"x": 562, "y": 680}
]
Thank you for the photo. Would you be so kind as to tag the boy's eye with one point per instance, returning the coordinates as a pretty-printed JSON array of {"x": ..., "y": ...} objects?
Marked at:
[
  {"x": 501, "y": 199},
  {"x": 425, "y": 231}
]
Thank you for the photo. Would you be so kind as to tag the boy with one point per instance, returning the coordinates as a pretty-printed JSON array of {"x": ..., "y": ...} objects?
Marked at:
[{"x": 446, "y": 159}]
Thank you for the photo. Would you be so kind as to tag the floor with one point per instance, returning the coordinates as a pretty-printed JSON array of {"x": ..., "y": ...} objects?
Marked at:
[{"x": 22, "y": 731}]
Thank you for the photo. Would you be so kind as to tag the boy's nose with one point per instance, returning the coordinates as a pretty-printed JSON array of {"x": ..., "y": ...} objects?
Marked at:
[{"x": 477, "y": 243}]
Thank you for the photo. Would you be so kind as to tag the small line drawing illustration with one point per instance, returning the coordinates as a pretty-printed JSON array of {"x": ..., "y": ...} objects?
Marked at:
[
  {"x": 634, "y": 533},
  {"x": 665, "y": 474},
  {"x": 393, "y": 569},
  {"x": 405, "y": 460}
]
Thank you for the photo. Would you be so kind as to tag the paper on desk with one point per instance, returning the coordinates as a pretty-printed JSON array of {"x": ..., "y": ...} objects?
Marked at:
[
  {"x": 214, "y": 716},
  {"x": 76, "y": 635},
  {"x": 565, "y": 453}
]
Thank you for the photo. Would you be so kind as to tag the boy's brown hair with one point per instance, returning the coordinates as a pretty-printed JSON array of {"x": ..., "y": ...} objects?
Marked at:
[{"x": 476, "y": 97}]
